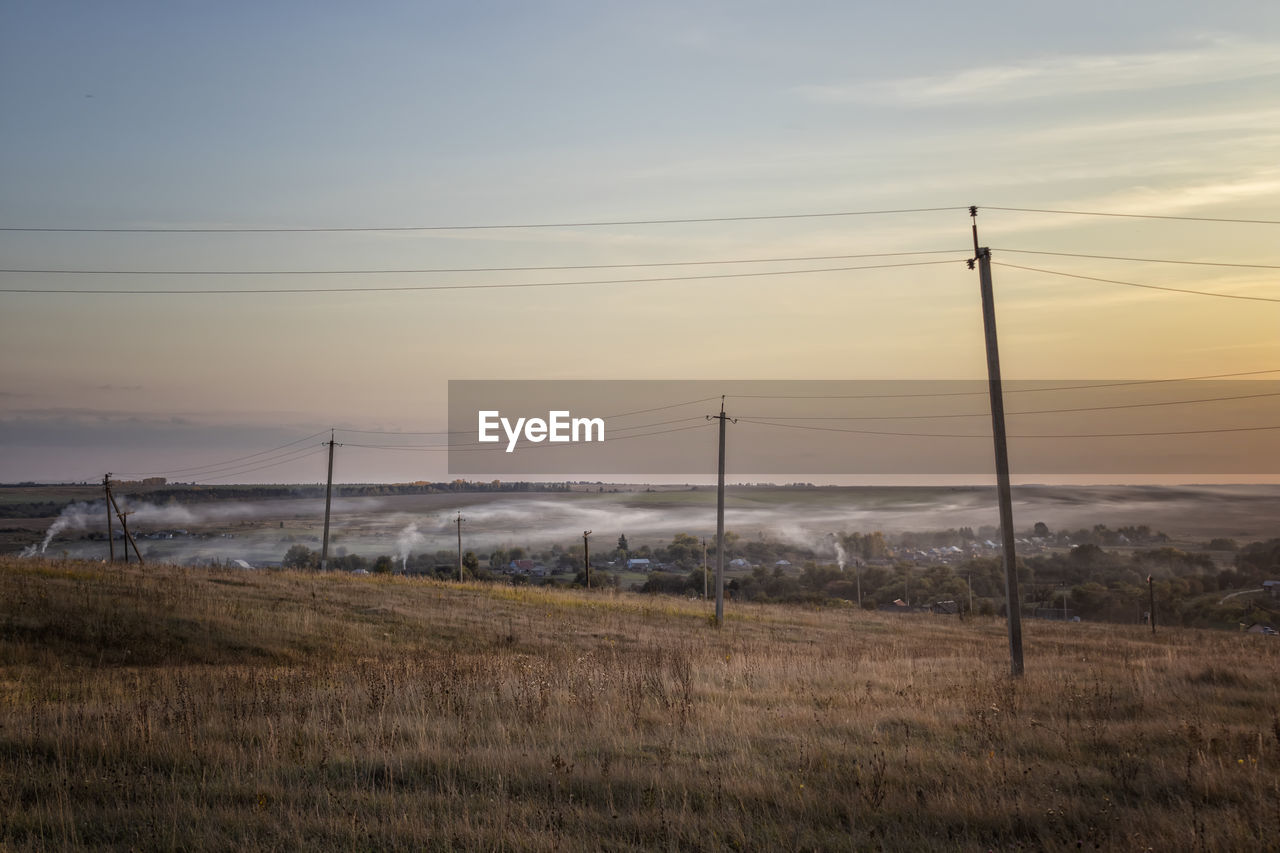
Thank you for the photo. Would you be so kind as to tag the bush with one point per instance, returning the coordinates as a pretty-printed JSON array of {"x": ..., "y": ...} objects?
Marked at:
[{"x": 300, "y": 557}]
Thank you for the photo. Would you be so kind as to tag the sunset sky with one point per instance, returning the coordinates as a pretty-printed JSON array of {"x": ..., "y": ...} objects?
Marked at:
[{"x": 254, "y": 116}]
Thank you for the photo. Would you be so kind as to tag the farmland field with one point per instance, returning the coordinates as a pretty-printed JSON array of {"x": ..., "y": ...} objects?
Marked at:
[{"x": 198, "y": 709}]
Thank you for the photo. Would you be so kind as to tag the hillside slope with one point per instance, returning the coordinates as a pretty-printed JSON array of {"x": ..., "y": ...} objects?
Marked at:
[{"x": 163, "y": 707}]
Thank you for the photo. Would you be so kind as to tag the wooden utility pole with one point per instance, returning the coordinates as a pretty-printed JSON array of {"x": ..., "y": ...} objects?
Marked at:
[
  {"x": 586, "y": 556},
  {"x": 459, "y": 522},
  {"x": 1004, "y": 492},
  {"x": 111, "y": 542},
  {"x": 723, "y": 418},
  {"x": 328, "y": 501},
  {"x": 124, "y": 525}
]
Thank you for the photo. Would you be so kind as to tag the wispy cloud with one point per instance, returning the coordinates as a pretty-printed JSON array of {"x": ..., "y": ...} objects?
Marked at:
[
  {"x": 1191, "y": 197},
  {"x": 1217, "y": 61},
  {"x": 1214, "y": 124}
]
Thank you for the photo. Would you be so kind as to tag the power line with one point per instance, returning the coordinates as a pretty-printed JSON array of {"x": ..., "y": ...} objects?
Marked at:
[
  {"x": 425, "y": 287},
  {"x": 851, "y": 417},
  {"x": 310, "y": 452},
  {"x": 432, "y": 270},
  {"x": 1143, "y": 286},
  {"x": 221, "y": 464},
  {"x": 483, "y": 227},
  {"x": 1147, "y": 434},
  {"x": 987, "y": 436},
  {"x": 1139, "y": 260},
  {"x": 1031, "y": 412},
  {"x": 468, "y": 432},
  {"x": 1135, "y": 215},
  {"x": 266, "y": 461},
  {"x": 1079, "y": 387},
  {"x": 219, "y": 471},
  {"x": 661, "y": 408},
  {"x": 489, "y": 445},
  {"x": 474, "y": 447},
  {"x": 984, "y": 392},
  {"x": 863, "y": 431}
]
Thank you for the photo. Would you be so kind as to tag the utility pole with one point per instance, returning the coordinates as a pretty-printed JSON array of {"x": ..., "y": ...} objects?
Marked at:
[
  {"x": 328, "y": 501},
  {"x": 124, "y": 525},
  {"x": 1004, "y": 493},
  {"x": 459, "y": 523},
  {"x": 586, "y": 556},
  {"x": 111, "y": 543},
  {"x": 722, "y": 417}
]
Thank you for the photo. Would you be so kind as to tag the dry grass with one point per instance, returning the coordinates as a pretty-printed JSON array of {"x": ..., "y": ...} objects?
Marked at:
[{"x": 172, "y": 708}]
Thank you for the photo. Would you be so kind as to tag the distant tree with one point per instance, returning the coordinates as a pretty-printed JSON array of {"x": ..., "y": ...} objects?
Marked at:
[
  {"x": 349, "y": 563},
  {"x": 1087, "y": 554},
  {"x": 382, "y": 565},
  {"x": 471, "y": 562},
  {"x": 1041, "y": 530},
  {"x": 669, "y": 583},
  {"x": 300, "y": 557},
  {"x": 1259, "y": 558}
]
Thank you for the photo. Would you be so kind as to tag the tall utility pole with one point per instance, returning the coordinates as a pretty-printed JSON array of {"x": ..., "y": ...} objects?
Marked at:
[
  {"x": 1004, "y": 492},
  {"x": 586, "y": 556},
  {"x": 111, "y": 542},
  {"x": 722, "y": 417},
  {"x": 328, "y": 501},
  {"x": 459, "y": 522}
]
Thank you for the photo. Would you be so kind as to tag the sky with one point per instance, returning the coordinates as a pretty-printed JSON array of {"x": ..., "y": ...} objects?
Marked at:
[{"x": 253, "y": 116}]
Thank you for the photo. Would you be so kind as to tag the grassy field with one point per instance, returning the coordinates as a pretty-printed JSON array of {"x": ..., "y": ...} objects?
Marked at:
[{"x": 174, "y": 708}]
